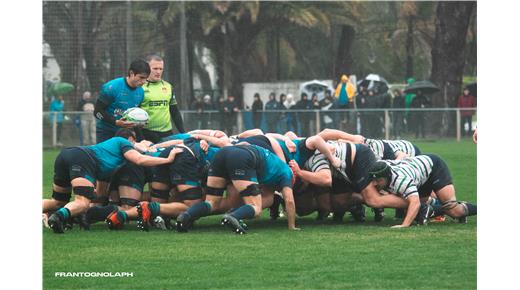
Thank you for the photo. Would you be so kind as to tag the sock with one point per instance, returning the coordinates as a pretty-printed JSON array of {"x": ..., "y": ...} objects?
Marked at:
[
  {"x": 63, "y": 213},
  {"x": 199, "y": 210},
  {"x": 246, "y": 211},
  {"x": 99, "y": 212},
  {"x": 122, "y": 216},
  {"x": 471, "y": 208},
  {"x": 155, "y": 208}
]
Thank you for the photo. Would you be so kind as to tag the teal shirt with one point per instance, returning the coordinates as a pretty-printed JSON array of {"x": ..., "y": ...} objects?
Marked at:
[
  {"x": 298, "y": 156},
  {"x": 110, "y": 155},
  {"x": 275, "y": 172}
]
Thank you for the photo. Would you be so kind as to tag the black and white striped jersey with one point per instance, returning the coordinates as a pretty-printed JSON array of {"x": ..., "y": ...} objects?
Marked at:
[
  {"x": 387, "y": 149},
  {"x": 408, "y": 174}
]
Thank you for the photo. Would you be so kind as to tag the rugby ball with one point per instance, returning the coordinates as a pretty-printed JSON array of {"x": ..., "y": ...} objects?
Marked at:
[{"x": 136, "y": 115}]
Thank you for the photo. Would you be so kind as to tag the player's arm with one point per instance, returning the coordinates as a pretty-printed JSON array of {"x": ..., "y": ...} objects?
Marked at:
[
  {"x": 167, "y": 144},
  {"x": 219, "y": 142},
  {"x": 277, "y": 148},
  {"x": 144, "y": 160},
  {"x": 288, "y": 142},
  {"x": 100, "y": 112},
  {"x": 321, "y": 178},
  {"x": 413, "y": 208},
  {"x": 290, "y": 207},
  {"x": 332, "y": 134},
  {"x": 249, "y": 133},
  {"x": 177, "y": 117}
]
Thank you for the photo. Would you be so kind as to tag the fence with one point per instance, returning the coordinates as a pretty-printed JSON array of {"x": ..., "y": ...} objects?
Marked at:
[{"x": 411, "y": 124}]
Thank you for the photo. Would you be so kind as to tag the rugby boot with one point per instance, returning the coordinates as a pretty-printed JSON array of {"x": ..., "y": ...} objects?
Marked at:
[
  {"x": 234, "y": 224},
  {"x": 183, "y": 222},
  {"x": 56, "y": 223},
  {"x": 144, "y": 216},
  {"x": 83, "y": 222},
  {"x": 379, "y": 214},
  {"x": 113, "y": 222},
  {"x": 358, "y": 213},
  {"x": 438, "y": 219},
  {"x": 274, "y": 210},
  {"x": 463, "y": 220},
  {"x": 159, "y": 223},
  {"x": 337, "y": 217},
  {"x": 68, "y": 224},
  {"x": 425, "y": 212}
]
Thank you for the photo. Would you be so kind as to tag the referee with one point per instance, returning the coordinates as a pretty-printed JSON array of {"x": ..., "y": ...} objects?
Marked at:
[{"x": 160, "y": 104}]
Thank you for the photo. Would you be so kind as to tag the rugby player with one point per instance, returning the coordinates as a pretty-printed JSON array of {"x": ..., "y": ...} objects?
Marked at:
[
  {"x": 246, "y": 167},
  {"x": 414, "y": 178},
  {"x": 160, "y": 103},
  {"x": 78, "y": 168}
]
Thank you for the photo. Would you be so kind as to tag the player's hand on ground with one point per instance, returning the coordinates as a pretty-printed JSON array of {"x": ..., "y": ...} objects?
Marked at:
[{"x": 398, "y": 226}]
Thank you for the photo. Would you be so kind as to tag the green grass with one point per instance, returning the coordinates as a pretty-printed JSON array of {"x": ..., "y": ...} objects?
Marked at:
[{"x": 322, "y": 255}]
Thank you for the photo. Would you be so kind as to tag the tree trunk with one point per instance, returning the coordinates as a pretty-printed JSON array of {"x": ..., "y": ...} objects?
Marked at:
[
  {"x": 451, "y": 27},
  {"x": 409, "y": 47},
  {"x": 344, "y": 60}
]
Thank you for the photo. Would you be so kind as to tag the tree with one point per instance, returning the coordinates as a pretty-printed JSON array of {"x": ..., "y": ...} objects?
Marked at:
[{"x": 448, "y": 52}]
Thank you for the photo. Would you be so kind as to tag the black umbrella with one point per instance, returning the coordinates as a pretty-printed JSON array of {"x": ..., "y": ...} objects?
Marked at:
[{"x": 426, "y": 87}]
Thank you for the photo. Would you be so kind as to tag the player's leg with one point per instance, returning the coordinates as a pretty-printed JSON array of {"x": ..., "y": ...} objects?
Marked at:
[
  {"x": 251, "y": 193},
  {"x": 214, "y": 195},
  {"x": 83, "y": 190},
  {"x": 452, "y": 207}
]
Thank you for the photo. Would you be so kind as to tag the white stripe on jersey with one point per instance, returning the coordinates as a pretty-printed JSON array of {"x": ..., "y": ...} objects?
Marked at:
[
  {"x": 401, "y": 145},
  {"x": 376, "y": 146},
  {"x": 408, "y": 174},
  {"x": 319, "y": 162}
]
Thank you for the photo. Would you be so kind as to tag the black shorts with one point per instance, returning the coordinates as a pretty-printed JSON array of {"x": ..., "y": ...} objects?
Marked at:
[
  {"x": 439, "y": 177},
  {"x": 104, "y": 134},
  {"x": 357, "y": 173},
  {"x": 259, "y": 140},
  {"x": 131, "y": 175},
  {"x": 417, "y": 150},
  {"x": 185, "y": 169},
  {"x": 153, "y": 136},
  {"x": 236, "y": 163},
  {"x": 73, "y": 163}
]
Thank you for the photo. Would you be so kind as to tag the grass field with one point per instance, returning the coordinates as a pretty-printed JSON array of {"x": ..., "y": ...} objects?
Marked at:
[{"x": 322, "y": 255}]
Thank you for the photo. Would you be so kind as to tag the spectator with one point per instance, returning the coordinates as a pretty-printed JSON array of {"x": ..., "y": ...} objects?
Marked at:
[
  {"x": 230, "y": 115},
  {"x": 315, "y": 104},
  {"x": 303, "y": 118},
  {"x": 56, "y": 108},
  {"x": 282, "y": 122},
  {"x": 418, "y": 118},
  {"x": 87, "y": 120},
  {"x": 408, "y": 99},
  {"x": 327, "y": 119},
  {"x": 372, "y": 118},
  {"x": 207, "y": 105},
  {"x": 197, "y": 106},
  {"x": 257, "y": 108},
  {"x": 291, "y": 121},
  {"x": 361, "y": 103},
  {"x": 222, "y": 115},
  {"x": 398, "y": 116},
  {"x": 272, "y": 117},
  {"x": 345, "y": 92},
  {"x": 466, "y": 101}
]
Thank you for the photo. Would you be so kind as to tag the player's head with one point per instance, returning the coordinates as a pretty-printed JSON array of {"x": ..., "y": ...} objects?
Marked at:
[
  {"x": 138, "y": 73},
  {"x": 156, "y": 67},
  {"x": 127, "y": 134},
  {"x": 381, "y": 174}
]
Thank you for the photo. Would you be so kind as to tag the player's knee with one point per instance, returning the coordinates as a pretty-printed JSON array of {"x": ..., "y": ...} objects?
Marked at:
[
  {"x": 194, "y": 193},
  {"x": 253, "y": 189},
  {"x": 61, "y": 198},
  {"x": 215, "y": 191},
  {"x": 86, "y": 192},
  {"x": 128, "y": 202},
  {"x": 161, "y": 194}
]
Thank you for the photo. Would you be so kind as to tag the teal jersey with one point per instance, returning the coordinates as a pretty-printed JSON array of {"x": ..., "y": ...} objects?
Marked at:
[
  {"x": 301, "y": 155},
  {"x": 119, "y": 97},
  {"x": 180, "y": 136},
  {"x": 274, "y": 171},
  {"x": 110, "y": 155}
]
